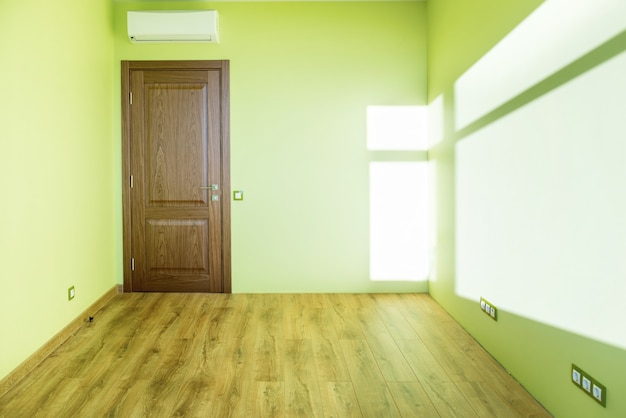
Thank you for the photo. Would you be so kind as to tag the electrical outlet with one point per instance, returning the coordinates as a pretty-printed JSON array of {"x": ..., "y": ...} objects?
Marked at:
[
  {"x": 71, "y": 292},
  {"x": 597, "y": 392},
  {"x": 488, "y": 308},
  {"x": 589, "y": 385},
  {"x": 576, "y": 376}
]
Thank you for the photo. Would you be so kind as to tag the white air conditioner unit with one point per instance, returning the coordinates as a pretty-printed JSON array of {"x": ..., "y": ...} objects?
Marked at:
[{"x": 172, "y": 26}]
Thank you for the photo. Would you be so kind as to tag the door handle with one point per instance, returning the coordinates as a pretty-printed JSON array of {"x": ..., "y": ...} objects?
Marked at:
[{"x": 211, "y": 187}]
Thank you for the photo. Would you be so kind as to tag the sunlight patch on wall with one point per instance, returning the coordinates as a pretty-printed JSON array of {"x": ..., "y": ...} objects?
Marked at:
[
  {"x": 399, "y": 195},
  {"x": 399, "y": 221},
  {"x": 540, "y": 203},
  {"x": 554, "y": 35},
  {"x": 392, "y": 128},
  {"x": 436, "y": 121}
]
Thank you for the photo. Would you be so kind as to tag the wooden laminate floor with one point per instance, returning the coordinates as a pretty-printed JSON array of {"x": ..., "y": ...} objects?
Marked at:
[{"x": 287, "y": 355}]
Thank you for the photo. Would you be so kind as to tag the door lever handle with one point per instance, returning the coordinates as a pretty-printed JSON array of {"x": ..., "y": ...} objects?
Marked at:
[{"x": 211, "y": 187}]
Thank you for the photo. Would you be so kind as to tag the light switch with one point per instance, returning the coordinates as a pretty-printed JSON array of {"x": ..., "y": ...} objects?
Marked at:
[{"x": 238, "y": 195}]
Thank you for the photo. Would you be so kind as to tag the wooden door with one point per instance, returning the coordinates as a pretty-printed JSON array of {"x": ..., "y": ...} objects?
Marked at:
[{"x": 176, "y": 200}]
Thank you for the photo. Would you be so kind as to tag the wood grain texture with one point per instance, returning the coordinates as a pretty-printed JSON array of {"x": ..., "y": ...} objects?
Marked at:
[
  {"x": 55, "y": 342},
  {"x": 221, "y": 355},
  {"x": 175, "y": 143}
]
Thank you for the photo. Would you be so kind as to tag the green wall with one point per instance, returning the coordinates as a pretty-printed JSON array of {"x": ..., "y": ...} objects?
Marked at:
[
  {"x": 302, "y": 75},
  {"x": 538, "y": 355},
  {"x": 56, "y": 168}
]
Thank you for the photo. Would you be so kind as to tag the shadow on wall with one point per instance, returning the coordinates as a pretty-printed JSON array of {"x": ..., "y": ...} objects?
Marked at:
[{"x": 580, "y": 66}]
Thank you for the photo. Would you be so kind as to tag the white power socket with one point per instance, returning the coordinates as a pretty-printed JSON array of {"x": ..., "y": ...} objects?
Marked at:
[
  {"x": 597, "y": 393},
  {"x": 489, "y": 309},
  {"x": 588, "y": 384}
]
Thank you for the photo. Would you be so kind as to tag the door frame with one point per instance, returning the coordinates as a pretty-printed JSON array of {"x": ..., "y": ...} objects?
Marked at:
[{"x": 223, "y": 66}]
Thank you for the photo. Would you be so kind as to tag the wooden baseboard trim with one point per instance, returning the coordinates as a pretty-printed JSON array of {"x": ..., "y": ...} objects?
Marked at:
[{"x": 45, "y": 350}]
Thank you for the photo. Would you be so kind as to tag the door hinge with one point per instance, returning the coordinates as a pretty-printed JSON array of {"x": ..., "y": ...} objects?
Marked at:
[
  {"x": 132, "y": 182},
  {"x": 130, "y": 98},
  {"x": 132, "y": 264}
]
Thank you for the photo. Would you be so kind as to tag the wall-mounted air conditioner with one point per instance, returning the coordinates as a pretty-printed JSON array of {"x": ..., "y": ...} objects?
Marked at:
[{"x": 173, "y": 26}]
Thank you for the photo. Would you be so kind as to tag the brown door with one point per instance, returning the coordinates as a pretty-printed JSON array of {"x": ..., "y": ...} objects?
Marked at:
[{"x": 176, "y": 154}]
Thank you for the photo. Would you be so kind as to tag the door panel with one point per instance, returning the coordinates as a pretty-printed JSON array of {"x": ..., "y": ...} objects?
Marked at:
[
  {"x": 177, "y": 145},
  {"x": 164, "y": 238}
]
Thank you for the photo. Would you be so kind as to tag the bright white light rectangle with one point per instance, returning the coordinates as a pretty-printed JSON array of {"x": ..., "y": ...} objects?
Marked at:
[
  {"x": 391, "y": 128},
  {"x": 554, "y": 35},
  {"x": 540, "y": 204},
  {"x": 435, "y": 122},
  {"x": 399, "y": 221}
]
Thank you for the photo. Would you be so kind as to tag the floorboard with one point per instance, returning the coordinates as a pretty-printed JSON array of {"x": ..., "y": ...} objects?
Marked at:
[{"x": 275, "y": 355}]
